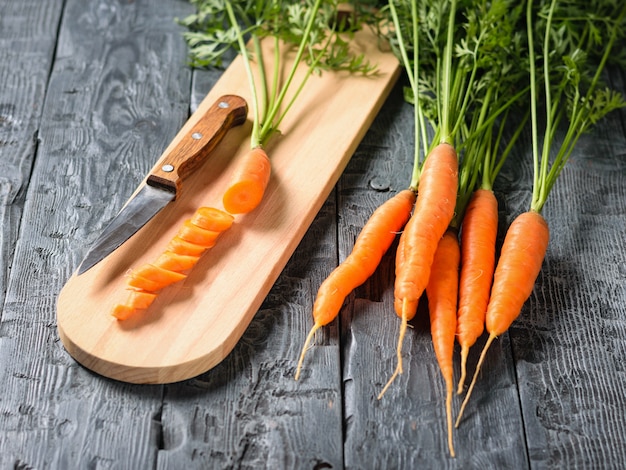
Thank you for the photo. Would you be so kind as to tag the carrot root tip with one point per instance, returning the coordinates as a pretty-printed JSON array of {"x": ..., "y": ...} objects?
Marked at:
[
  {"x": 473, "y": 383},
  {"x": 464, "y": 354},
  {"x": 305, "y": 348}
]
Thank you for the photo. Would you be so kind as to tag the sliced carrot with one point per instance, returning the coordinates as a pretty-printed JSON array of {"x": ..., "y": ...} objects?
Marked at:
[
  {"x": 247, "y": 186},
  {"x": 157, "y": 278},
  {"x": 172, "y": 261},
  {"x": 140, "y": 299},
  {"x": 136, "y": 300},
  {"x": 372, "y": 243},
  {"x": 196, "y": 235},
  {"x": 184, "y": 248},
  {"x": 123, "y": 311},
  {"x": 521, "y": 257},
  {"x": 141, "y": 283},
  {"x": 210, "y": 218}
]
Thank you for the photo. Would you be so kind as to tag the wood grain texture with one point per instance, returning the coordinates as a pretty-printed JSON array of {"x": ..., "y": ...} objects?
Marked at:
[
  {"x": 569, "y": 342},
  {"x": 28, "y": 32},
  {"x": 552, "y": 390},
  {"x": 118, "y": 91},
  {"x": 248, "y": 411},
  {"x": 408, "y": 424},
  {"x": 195, "y": 323}
]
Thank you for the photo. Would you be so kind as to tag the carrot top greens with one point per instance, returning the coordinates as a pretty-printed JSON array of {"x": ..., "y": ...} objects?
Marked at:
[
  {"x": 462, "y": 63},
  {"x": 575, "y": 41},
  {"x": 319, "y": 34}
]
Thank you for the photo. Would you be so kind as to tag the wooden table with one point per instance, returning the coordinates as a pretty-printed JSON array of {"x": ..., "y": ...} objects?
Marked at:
[{"x": 90, "y": 92}]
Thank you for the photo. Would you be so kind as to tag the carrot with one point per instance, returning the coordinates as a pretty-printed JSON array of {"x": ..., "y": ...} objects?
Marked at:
[
  {"x": 248, "y": 183},
  {"x": 478, "y": 244},
  {"x": 196, "y": 235},
  {"x": 159, "y": 277},
  {"x": 210, "y": 218},
  {"x": 442, "y": 304},
  {"x": 123, "y": 311},
  {"x": 372, "y": 243},
  {"x": 135, "y": 281},
  {"x": 183, "y": 247},
  {"x": 564, "y": 101},
  {"x": 434, "y": 210},
  {"x": 172, "y": 261},
  {"x": 140, "y": 299},
  {"x": 181, "y": 254},
  {"x": 136, "y": 300},
  {"x": 522, "y": 255},
  {"x": 433, "y": 213}
]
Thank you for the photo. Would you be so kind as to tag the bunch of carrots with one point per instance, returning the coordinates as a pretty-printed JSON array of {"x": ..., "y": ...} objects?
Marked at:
[
  {"x": 468, "y": 71},
  {"x": 317, "y": 33}
]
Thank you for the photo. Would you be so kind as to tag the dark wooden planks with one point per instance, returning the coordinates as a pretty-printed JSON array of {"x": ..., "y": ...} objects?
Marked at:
[
  {"x": 569, "y": 342},
  {"x": 118, "y": 93},
  {"x": 249, "y": 412},
  {"x": 28, "y": 31},
  {"x": 407, "y": 428}
]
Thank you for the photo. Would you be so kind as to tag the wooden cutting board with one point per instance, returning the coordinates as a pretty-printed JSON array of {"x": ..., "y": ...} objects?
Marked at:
[{"x": 193, "y": 325}]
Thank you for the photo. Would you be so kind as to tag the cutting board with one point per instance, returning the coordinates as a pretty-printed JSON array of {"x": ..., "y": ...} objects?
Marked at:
[{"x": 194, "y": 324}]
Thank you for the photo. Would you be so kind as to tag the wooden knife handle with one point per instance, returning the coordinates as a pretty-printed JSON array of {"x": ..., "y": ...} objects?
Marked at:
[{"x": 195, "y": 142}]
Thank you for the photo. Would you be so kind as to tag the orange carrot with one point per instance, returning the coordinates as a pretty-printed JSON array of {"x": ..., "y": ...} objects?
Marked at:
[
  {"x": 123, "y": 311},
  {"x": 248, "y": 183},
  {"x": 433, "y": 213},
  {"x": 478, "y": 253},
  {"x": 135, "y": 281},
  {"x": 434, "y": 210},
  {"x": 159, "y": 277},
  {"x": 140, "y": 299},
  {"x": 522, "y": 255},
  {"x": 442, "y": 304},
  {"x": 210, "y": 218},
  {"x": 196, "y": 235},
  {"x": 136, "y": 300},
  {"x": 172, "y": 261},
  {"x": 183, "y": 251},
  {"x": 183, "y": 247},
  {"x": 374, "y": 240}
]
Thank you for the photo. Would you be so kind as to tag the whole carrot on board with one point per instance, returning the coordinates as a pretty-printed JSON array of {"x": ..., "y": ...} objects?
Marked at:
[
  {"x": 248, "y": 183},
  {"x": 568, "y": 98},
  {"x": 272, "y": 95},
  {"x": 373, "y": 241},
  {"x": 273, "y": 89}
]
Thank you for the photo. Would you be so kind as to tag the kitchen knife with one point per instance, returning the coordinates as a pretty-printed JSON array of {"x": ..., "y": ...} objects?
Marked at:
[{"x": 164, "y": 183}]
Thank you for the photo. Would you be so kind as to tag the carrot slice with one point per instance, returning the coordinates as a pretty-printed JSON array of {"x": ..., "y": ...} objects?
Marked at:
[
  {"x": 122, "y": 311},
  {"x": 151, "y": 278},
  {"x": 142, "y": 283},
  {"x": 172, "y": 261},
  {"x": 140, "y": 299},
  {"x": 196, "y": 235},
  {"x": 210, "y": 218},
  {"x": 183, "y": 247}
]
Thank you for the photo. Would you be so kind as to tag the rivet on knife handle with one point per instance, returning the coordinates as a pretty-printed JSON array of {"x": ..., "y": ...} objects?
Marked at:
[
  {"x": 187, "y": 151},
  {"x": 192, "y": 149}
]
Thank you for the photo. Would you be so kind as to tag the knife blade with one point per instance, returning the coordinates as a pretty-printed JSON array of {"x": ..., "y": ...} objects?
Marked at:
[{"x": 164, "y": 183}]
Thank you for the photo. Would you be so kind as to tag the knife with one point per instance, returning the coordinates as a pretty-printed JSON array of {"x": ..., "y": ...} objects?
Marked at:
[{"x": 164, "y": 183}]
